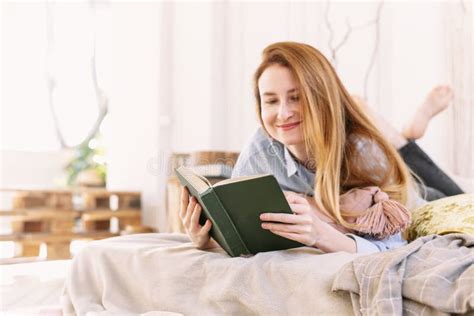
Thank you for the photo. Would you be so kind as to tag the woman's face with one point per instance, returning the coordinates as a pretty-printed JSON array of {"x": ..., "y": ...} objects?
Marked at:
[{"x": 281, "y": 108}]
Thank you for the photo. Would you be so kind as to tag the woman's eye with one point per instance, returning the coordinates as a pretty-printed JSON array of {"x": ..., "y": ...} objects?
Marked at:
[
  {"x": 271, "y": 101},
  {"x": 295, "y": 98}
]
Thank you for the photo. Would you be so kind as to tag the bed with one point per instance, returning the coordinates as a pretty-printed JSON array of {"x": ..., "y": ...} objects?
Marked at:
[
  {"x": 163, "y": 274},
  {"x": 33, "y": 288},
  {"x": 140, "y": 274},
  {"x": 166, "y": 273}
]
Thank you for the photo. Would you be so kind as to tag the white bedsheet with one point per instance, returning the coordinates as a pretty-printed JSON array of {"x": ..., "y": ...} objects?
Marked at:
[
  {"x": 297, "y": 281},
  {"x": 32, "y": 288},
  {"x": 159, "y": 274}
]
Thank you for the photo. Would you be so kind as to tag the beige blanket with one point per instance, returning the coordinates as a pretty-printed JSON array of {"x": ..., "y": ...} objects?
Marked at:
[
  {"x": 157, "y": 273},
  {"x": 433, "y": 275}
]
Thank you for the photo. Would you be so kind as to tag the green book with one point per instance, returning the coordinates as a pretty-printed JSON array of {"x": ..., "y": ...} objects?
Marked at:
[{"x": 234, "y": 207}]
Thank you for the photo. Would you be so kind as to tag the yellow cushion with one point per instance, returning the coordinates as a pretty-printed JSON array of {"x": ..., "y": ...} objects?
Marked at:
[{"x": 454, "y": 214}]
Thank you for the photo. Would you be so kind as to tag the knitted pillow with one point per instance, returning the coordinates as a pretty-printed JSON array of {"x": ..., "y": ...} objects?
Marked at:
[{"x": 454, "y": 214}]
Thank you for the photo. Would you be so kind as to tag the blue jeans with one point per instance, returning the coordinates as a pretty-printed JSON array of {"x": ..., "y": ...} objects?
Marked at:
[{"x": 437, "y": 184}]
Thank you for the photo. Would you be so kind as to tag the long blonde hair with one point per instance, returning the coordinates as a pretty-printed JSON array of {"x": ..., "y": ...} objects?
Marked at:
[{"x": 332, "y": 124}]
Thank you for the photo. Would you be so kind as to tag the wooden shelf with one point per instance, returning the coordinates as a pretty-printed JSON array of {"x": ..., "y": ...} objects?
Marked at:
[
  {"x": 47, "y": 237},
  {"x": 75, "y": 190},
  {"x": 56, "y": 212},
  {"x": 40, "y": 213},
  {"x": 56, "y": 217},
  {"x": 106, "y": 214}
]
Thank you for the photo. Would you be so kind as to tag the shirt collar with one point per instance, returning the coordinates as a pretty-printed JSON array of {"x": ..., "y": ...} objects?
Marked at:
[{"x": 291, "y": 167}]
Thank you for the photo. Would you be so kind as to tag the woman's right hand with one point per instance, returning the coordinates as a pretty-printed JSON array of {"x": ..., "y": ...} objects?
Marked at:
[{"x": 189, "y": 214}]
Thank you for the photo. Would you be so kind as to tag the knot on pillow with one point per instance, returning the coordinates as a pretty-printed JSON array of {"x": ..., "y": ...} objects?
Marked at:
[{"x": 374, "y": 213}]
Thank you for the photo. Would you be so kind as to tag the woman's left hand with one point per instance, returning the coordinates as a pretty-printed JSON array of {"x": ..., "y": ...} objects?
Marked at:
[{"x": 302, "y": 226}]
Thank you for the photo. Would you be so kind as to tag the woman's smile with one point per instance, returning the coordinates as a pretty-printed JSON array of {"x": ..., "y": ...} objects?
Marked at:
[{"x": 289, "y": 126}]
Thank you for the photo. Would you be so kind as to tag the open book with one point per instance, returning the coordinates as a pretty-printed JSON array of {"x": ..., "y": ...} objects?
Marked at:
[{"x": 234, "y": 207}]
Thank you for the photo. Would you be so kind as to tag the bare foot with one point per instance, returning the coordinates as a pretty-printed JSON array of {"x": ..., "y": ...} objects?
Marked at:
[{"x": 436, "y": 101}]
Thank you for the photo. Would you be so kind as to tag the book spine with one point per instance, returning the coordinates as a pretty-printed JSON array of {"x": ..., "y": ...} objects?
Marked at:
[{"x": 223, "y": 230}]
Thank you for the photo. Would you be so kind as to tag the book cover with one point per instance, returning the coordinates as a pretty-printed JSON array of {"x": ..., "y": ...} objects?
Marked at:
[{"x": 234, "y": 207}]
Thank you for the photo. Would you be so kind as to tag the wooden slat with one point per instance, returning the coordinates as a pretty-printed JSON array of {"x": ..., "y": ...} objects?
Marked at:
[
  {"x": 75, "y": 190},
  {"x": 107, "y": 214},
  {"x": 46, "y": 215},
  {"x": 28, "y": 248},
  {"x": 58, "y": 250},
  {"x": 48, "y": 237},
  {"x": 173, "y": 203},
  {"x": 12, "y": 212},
  {"x": 32, "y": 211}
]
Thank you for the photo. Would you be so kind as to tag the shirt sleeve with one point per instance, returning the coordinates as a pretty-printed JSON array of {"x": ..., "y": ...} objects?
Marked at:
[{"x": 366, "y": 245}]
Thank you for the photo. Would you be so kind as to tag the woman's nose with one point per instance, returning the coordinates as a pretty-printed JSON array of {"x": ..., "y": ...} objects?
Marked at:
[{"x": 284, "y": 111}]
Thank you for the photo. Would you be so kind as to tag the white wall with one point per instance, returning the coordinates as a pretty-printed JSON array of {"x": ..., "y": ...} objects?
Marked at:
[
  {"x": 127, "y": 60},
  {"x": 191, "y": 91},
  {"x": 32, "y": 169},
  {"x": 413, "y": 63}
]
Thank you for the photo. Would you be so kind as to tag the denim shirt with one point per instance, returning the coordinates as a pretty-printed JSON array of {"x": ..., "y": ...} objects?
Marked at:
[{"x": 266, "y": 155}]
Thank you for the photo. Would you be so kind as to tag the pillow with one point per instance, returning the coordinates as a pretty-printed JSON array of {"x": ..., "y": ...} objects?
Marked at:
[{"x": 454, "y": 214}]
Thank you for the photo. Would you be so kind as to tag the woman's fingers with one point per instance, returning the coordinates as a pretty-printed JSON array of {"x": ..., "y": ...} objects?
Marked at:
[
  {"x": 285, "y": 218},
  {"x": 206, "y": 227},
  {"x": 191, "y": 218},
  {"x": 295, "y": 198},
  {"x": 194, "y": 221},
  {"x": 297, "y": 229},
  {"x": 189, "y": 211},
  {"x": 298, "y": 203},
  {"x": 296, "y": 237},
  {"x": 303, "y": 238},
  {"x": 300, "y": 208},
  {"x": 184, "y": 202}
]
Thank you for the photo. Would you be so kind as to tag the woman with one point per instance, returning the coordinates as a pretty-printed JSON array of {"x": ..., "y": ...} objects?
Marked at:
[{"x": 319, "y": 143}]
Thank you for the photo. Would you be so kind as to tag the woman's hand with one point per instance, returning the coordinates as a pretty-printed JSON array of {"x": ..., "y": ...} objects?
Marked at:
[
  {"x": 307, "y": 226},
  {"x": 301, "y": 226},
  {"x": 189, "y": 214}
]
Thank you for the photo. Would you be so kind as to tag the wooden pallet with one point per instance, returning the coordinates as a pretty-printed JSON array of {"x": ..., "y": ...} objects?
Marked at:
[
  {"x": 42, "y": 220},
  {"x": 50, "y": 217},
  {"x": 99, "y": 220},
  {"x": 33, "y": 199},
  {"x": 99, "y": 199},
  {"x": 173, "y": 203}
]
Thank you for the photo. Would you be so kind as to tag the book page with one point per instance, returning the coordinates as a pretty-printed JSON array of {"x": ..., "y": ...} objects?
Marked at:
[
  {"x": 239, "y": 179},
  {"x": 200, "y": 183}
]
